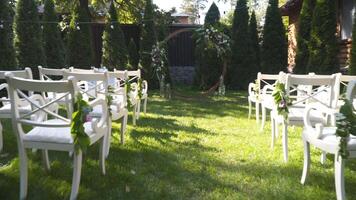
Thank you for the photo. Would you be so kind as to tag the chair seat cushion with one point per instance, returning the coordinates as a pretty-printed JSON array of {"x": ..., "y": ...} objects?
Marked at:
[
  {"x": 6, "y": 109},
  {"x": 297, "y": 114},
  {"x": 54, "y": 135}
]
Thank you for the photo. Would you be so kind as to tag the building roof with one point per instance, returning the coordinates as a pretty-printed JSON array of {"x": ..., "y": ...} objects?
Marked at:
[
  {"x": 291, "y": 7},
  {"x": 180, "y": 15}
]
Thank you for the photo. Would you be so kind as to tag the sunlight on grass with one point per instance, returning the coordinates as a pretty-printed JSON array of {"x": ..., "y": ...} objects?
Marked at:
[{"x": 190, "y": 147}]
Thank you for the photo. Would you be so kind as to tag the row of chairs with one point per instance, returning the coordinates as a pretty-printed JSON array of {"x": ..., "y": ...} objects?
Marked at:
[
  {"x": 314, "y": 101},
  {"x": 36, "y": 103}
]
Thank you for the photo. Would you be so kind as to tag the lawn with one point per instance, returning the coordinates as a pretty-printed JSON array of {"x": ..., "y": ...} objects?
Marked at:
[{"x": 190, "y": 147}]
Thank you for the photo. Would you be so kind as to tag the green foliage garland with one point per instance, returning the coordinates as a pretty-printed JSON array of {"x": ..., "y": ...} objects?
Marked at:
[
  {"x": 346, "y": 126},
  {"x": 79, "y": 117},
  {"x": 281, "y": 100}
]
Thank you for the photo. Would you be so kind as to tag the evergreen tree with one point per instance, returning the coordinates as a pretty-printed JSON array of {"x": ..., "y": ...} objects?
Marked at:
[
  {"x": 134, "y": 56},
  {"x": 255, "y": 43},
  {"x": 213, "y": 15},
  {"x": 7, "y": 51},
  {"x": 80, "y": 51},
  {"x": 242, "y": 66},
  {"x": 208, "y": 64},
  {"x": 52, "y": 39},
  {"x": 303, "y": 37},
  {"x": 148, "y": 39},
  {"x": 274, "y": 51},
  {"x": 352, "y": 69},
  {"x": 28, "y": 37},
  {"x": 115, "y": 53},
  {"x": 323, "y": 45}
]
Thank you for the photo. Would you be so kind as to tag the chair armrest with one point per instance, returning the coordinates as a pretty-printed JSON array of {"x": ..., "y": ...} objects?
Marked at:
[
  {"x": 145, "y": 87},
  {"x": 98, "y": 126},
  {"x": 251, "y": 91}
]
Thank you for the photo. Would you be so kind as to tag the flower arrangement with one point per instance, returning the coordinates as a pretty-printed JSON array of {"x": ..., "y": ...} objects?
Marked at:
[
  {"x": 79, "y": 117},
  {"x": 346, "y": 126},
  {"x": 281, "y": 99}
]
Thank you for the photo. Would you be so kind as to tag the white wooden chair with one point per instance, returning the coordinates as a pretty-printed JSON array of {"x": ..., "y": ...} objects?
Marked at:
[
  {"x": 323, "y": 137},
  {"x": 54, "y": 133},
  {"x": 303, "y": 90},
  {"x": 266, "y": 98},
  {"x": 5, "y": 109}
]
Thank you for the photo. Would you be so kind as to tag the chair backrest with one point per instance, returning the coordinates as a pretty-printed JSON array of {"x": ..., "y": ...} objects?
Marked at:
[
  {"x": 90, "y": 83},
  {"x": 345, "y": 79},
  {"x": 17, "y": 92},
  {"x": 48, "y": 73},
  {"x": 132, "y": 75},
  {"x": 321, "y": 89},
  {"x": 270, "y": 79},
  {"x": 26, "y": 73},
  {"x": 351, "y": 92}
]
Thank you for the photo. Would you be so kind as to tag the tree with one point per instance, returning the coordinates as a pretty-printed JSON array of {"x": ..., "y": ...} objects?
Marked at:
[
  {"x": 52, "y": 39},
  {"x": 303, "y": 37},
  {"x": 323, "y": 45},
  {"x": 115, "y": 53},
  {"x": 7, "y": 50},
  {"x": 28, "y": 37},
  {"x": 274, "y": 51},
  {"x": 255, "y": 44},
  {"x": 208, "y": 64},
  {"x": 148, "y": 39},
  {"x": 80, "y": 51},
  {"x": 352, "y": 70},
  {"x": 242, "y": 66},
  {"x": 192, "y": 7},
  {"x": 134, "y": 56}
]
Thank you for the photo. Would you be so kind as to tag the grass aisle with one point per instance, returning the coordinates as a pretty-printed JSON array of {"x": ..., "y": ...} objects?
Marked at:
[{"x": 186, "y": 148}]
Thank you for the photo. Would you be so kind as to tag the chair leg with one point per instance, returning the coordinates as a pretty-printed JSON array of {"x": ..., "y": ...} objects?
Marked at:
[
  {"x": 306, "y": 167},
  {"x": 134, "y": 114},
  {"x": 263, "y": 118},
  {"x": 1, "y": 138},
  {"x": 249, "y": 108},
  {"x": 102, "y": 156},
  {"x": 123, "y": 129},
  {"x": 107, "y": 139},
  {"x": 23, "y": 173},
  {"x": 46, "y": 162},
  {"x": 257, "y": 112},
  {"x": 323, "y": 158},
  {"x": 138, "y": 110},
  {"x": 145, "y": 105},
  {"x": 285, "y": 141},
  {"x": 339, "y": 178},
  {"x": 273, "y": 131},
  {"x": 77, "y": 168}
]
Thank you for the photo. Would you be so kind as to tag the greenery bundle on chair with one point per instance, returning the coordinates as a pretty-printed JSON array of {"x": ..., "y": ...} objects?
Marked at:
[
  {"x": 52, "y": 39},
  {"x": 7, "y": 51},
  {"x": 115, "y": 53}
]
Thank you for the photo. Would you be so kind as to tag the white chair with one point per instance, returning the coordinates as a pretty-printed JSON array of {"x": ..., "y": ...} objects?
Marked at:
[
  {"x": 5, "y": 109},
  {"x": 323, "y": 137},
  {"x": 55, "y": 133},
  {"x": 253, "y": 97},
  {"x": 266, "y": 98},
  {"x": 303, "y": 90}
]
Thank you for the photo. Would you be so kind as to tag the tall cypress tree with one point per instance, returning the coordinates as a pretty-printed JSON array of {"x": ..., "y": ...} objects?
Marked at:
[
  {"x": 255, "y": 43},
  {"x": 323, "y": 45},
  {"x": 7, "y": 50},
  {"x": 352, "y": 70},
  {"x": 213, "y": 15},
  {"x": 115, "y": 53},
  {"x": 241, "y": 63},
  {"x": 303, "y": 37},
  {"x": 134, "y": 56},
  {"x": 148, "y": 39},
  {"x": 52, "y": 39},
  {"x": 28, "y": 37},
  {"x": 274, "y": 51},
  {"x": 80, "y": 50}
]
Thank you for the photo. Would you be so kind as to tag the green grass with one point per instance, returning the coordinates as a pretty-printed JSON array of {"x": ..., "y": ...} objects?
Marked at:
[{"x": 186, "y": 148}]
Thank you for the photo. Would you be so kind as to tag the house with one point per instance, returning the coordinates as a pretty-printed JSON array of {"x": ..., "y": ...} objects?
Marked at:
[
  {"x": 345, "y": 11},
  {"x": 182, "y": 18}
]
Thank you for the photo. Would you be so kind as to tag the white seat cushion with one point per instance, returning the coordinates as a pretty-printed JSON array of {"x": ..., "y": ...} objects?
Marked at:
[
  {"x": 297, "y": 114},
  {"x": 55, "y": 135}
]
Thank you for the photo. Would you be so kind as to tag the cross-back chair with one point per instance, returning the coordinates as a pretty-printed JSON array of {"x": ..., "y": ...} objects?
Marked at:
[
  {"x": 51, "y": 131},
  {"x": 302, "y": 91},
  {"x": 323, "y": 137},
  {"x": 5, "y": 108}
]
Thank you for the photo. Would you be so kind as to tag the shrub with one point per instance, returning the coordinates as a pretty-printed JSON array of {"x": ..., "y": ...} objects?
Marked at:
[
  {"x": 7, "y": 50},
  {"x": 115, "y": 53}
]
